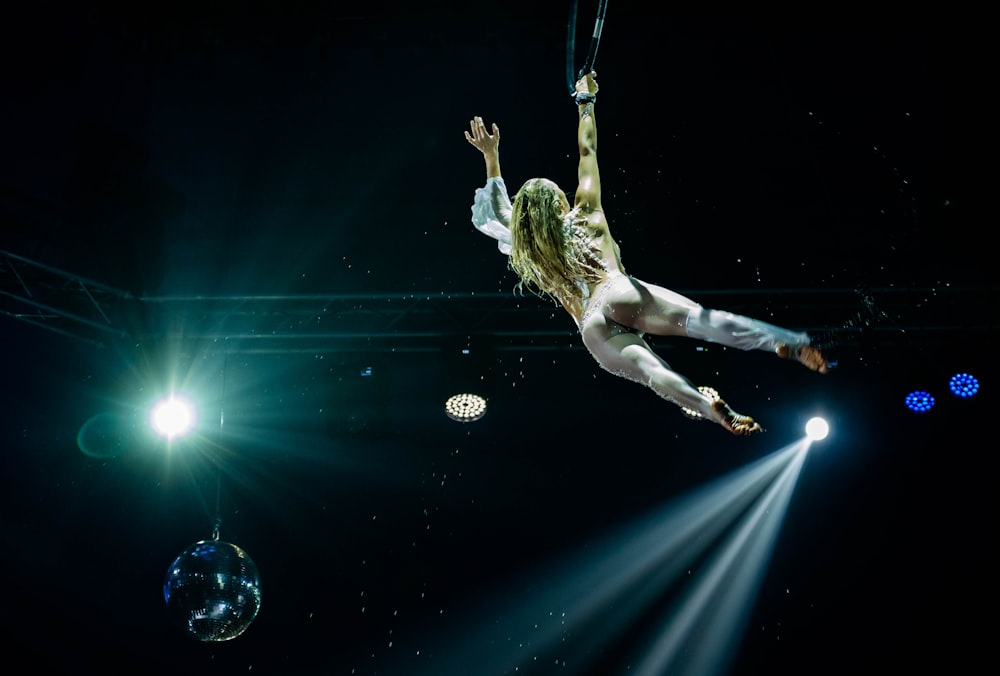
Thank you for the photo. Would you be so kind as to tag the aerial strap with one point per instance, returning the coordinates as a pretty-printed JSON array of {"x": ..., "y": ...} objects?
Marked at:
[{"x": 572, "y": 75}]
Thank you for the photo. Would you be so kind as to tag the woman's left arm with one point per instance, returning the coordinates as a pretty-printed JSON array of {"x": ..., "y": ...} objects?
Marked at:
[{"x": 491, "y": 207}]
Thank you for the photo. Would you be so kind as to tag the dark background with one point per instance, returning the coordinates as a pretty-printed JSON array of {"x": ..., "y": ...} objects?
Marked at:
[{"x": 256, "y": 203}]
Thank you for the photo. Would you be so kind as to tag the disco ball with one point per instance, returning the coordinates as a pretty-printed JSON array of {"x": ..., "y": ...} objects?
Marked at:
[{"x": 212, "y": 590}]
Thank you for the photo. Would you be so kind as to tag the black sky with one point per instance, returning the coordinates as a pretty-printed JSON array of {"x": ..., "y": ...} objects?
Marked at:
[{"x": 822, "y": 169}]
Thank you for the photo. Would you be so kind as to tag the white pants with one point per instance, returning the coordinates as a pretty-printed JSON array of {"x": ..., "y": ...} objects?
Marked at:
[{"x": 622, "y": 309}]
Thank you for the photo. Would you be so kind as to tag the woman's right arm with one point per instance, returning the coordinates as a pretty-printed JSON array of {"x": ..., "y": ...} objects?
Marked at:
[{"x": 588, "y": 193}]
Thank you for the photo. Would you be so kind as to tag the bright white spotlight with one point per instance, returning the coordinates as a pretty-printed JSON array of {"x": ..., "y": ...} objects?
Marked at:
[
  {"x": 817, "y": 429},
  {"x": 172, "y": 417}
]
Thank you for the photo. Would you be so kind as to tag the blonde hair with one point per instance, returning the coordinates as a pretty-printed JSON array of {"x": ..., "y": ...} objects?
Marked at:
[{"x": 550, "y": 251}]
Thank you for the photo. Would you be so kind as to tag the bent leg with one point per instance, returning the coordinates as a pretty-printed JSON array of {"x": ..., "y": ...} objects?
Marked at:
[{"x": 628, "y": 356}]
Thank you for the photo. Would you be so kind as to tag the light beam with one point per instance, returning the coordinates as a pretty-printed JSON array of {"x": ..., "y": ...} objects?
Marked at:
[{"x": 707, "y": 550}]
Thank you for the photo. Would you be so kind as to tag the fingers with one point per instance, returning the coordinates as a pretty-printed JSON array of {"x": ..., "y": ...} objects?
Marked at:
[
  {"x": 588, "y": 83},
  {"x": 474, "y": 136},
  {"x": 476, "y": 124},
  {"x": 478, "y": 131}
]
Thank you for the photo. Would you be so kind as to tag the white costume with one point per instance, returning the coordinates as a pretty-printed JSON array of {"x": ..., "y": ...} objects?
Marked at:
[
  {"x": 491, "y": 215},
  {"x": 491, "y": 212}
]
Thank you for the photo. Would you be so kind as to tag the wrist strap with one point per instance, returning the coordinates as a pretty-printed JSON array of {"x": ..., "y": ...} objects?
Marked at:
[{"x": 584, "y": 97}]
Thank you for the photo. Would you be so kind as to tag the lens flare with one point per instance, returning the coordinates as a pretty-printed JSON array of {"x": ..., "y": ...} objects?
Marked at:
[{"x": 172, "y": 417}]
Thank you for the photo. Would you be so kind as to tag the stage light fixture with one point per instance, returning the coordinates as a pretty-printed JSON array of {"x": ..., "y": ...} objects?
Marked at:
[
  {"x": 465, "y": 407},
  {"x": 963, "y": 385},
  {"x": 919, "y": 401},
  {"x": 709, "y": 392},
  {"x": 466, "y": 377}
]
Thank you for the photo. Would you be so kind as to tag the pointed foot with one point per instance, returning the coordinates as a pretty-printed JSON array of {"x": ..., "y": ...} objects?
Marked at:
[
  {"x": 806, "y": 355},
  {"x": 740, "y": 425}
]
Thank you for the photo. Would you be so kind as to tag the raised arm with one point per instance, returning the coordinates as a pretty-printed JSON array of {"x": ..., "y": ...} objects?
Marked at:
[
  {"x": 588, "y": 193},
  {"x": 488, "y": 145},
  {"x": 491, "y": 207}
]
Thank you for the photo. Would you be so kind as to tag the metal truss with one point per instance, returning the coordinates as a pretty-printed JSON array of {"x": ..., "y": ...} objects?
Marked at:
[{"x": 96, "y": 313}]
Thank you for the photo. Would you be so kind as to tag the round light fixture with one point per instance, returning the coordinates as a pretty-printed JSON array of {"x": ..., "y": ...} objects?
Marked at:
[
  {"x": 919, "y": 401},
  {"x": 465, "y": 407},
  {"x": 963, "y": 385}
]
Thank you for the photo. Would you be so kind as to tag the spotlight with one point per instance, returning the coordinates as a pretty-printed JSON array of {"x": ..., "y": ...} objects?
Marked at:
[
  {"x": 465, "y": 407},
  {"x": 817, "y": 429},
  {"x": 709, "y": 392},
  {"x": 963, "y": 385},
  {"x": 919, "y": 401},
  {"x": 172, "y": 417}
]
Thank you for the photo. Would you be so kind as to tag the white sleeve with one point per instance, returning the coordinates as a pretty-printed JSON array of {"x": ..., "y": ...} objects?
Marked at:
[{"x": 491, "y": 212}]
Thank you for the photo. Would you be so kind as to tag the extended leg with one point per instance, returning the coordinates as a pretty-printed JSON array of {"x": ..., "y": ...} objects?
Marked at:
[
  {"x": 746, "y": 333},
  {"x": 655, "y": 310},
  {"x": 627, "y": 355}
]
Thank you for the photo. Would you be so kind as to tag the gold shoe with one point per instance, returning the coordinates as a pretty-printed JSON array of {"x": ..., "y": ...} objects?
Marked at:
[
  {"x": 740, "y": 425},
  {"x": 807, "y": 355}
]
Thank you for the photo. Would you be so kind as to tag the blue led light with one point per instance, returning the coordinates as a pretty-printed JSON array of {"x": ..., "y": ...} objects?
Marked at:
[
  {"x": 919, "y": 401},
  {"x": 963, "y": 385}
]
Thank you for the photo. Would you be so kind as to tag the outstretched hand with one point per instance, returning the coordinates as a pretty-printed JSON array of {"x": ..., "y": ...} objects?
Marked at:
[{"x": 481, "y": 139}]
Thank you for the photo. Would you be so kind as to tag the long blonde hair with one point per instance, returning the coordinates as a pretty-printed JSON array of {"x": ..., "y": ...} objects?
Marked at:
[{"x": 549, "y": 249}]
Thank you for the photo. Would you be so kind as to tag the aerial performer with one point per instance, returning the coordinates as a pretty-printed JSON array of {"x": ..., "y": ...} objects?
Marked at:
[{"x": 566, "y": 253}]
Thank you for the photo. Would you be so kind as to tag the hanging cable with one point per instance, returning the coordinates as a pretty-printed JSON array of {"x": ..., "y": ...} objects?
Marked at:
[
  {"x": 218, "y": 477},
  {"x": 571, "y": 47},
  {"x": 595, "y": 39},
  {"x": 218, "y": 513}
]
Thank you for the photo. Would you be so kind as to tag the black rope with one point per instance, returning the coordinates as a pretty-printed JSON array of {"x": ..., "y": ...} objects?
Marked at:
[
  {"x": 571, "y": 47},
  {"x": 595, "y": 41},
  {"x": 218, "y": 511},
  {"x": 218, "y": 477}
]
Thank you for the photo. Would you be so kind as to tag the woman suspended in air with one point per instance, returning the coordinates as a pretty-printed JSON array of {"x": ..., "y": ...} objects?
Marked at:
[{"x": 567, "y": 253}]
